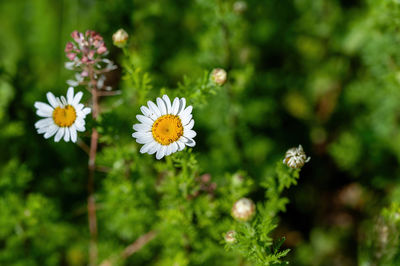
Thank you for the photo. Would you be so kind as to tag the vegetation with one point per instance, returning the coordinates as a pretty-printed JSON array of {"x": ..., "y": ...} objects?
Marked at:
[{"x": 324, "y": 74}]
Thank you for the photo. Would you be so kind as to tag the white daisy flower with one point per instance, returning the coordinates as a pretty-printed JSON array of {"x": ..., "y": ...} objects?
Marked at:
[
  {"x": 165, "y": 128},
  {"x": 63, "y": 117}
]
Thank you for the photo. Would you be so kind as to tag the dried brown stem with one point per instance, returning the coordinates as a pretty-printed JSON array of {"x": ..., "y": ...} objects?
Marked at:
[
  {"x": 132, "y": 248},
  {"x": 92, "y": 219},
  {"x": 83, "y": 146},
  {"x": 109, "y": 93},
  {"x": 104, "y": 169},
  {"x": 138, "y": 244},
  {"x": 91, "y": 200}
]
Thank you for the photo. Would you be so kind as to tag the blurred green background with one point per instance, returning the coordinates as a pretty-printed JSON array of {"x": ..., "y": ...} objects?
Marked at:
[{"x": 323, "y": 73}]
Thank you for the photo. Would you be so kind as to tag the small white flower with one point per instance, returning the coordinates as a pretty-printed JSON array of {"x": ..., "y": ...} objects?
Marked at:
[
  {"x": 63, "y": 117},
  {"x": 296, "y": 157},
  {"x": 243, "y": 209},
  {"x": 165, "y": 128}
]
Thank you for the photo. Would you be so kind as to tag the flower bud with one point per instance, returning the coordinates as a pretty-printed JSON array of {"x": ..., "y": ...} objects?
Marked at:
[
  {"x": 237, "y": 179},
  {"x": 230, "y": 237},
  {"x": 120, "y": 38},
  {"x": 218, "y": 75},
  {"x": 296, "y": 157},
  {"x": 243, "y": 210},
  {"x": 239, "y": 7}
]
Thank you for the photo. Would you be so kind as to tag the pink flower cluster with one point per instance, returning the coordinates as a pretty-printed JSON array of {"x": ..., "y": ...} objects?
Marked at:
[{"x": 86, "y": 56}]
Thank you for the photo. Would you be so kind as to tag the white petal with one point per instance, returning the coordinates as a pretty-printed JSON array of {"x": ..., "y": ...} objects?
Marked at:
[
  {"x": 154, "y": 109},
  {"x": 167, "y": 102},
  {"x": 60, "y": 134},
  {"x": 74, "y": 135},
  {"x": 190, "y": 125},
  {"x": 42, "y": 130},
  {"x": 180, "y": 144},
  {"x": 142, "y": 134},
  {"x": 182, "y": 105},
  {"x": 145, "y": 120},
  {"x": 70, "y": 95},
  {"x": 168, "y": 150},
  {"x": 77, "y": 98},
  {"x": 146, "y": 111},
  {"x": 146, "y": 147},
  {"x": 174, "y": 147},
  {"x": 142, "y": 127},
  {"x": 80, "y": 121},
  {"x": 187, "y": 111},
  {"x": 51, "y": 131},
  {"x": 190, "y": 143},
  {"x": 80, "y": 127},
  {"x": 45, "y": 122},
  {"x": 189, "y": 134},
  {"x": 185, "y": 119},
  {"x": 44, "y": 107},
  {"x": 79, "y": 107},
  {"x": 42, "y": 113},
  {"x": 154, "y": 148},
  {"x": 161, "y": 106},
  {"x": 52, "y": 99},
  {"x": 86, "y": 110},
  {"x": 161, "y": 152},
  {"x": 66, "y": 135},
  {"x": 144, "y": 139},
  {"x": 175, "y": 106}
]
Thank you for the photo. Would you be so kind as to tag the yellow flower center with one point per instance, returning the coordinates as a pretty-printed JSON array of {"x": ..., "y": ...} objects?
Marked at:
[
  {"x": 167, "y": 129},
  {"x": 64, "y": 117}
]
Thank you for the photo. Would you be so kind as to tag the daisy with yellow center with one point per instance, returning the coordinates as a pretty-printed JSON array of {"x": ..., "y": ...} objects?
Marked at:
[
  {"x": 63, "y": 117},
  {"x": 165, "y": 128}
]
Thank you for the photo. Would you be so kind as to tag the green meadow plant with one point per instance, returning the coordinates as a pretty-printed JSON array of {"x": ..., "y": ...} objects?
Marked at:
[{"x": 171, "y": 204}]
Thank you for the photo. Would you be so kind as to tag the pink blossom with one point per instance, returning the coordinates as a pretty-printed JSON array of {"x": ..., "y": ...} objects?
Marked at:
[
  {"x": 76, "y": 35},
  {"x": 84, "y": 59},
  {"x": 84, "y": 73},
  {"x": 91, "y": 54},
  {"x": 86, "y": 50},
  {"x": 69, "y": 47},
  {"x": 101, "y": 49},
  {"x": 97, "y": 37},
  {"x": 71, "y": 56}
]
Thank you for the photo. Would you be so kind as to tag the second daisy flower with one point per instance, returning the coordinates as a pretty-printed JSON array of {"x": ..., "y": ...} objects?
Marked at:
[{"x": 165, "y": 128}]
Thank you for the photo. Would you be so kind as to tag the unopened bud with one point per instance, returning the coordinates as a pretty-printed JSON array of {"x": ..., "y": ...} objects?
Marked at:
[
  {"x": 296, "y": 157},
  {"x": 239, "y": 7},
  {"x": 237, "y": 179},
  {"x": 218, "y": 75},
  {"x": 120, "y": 38},
  {"x": 243, "y": 209},
  {"x": 230, "y": 237}
]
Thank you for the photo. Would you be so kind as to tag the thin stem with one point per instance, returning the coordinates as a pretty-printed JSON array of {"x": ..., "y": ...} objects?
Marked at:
[
  {"x": 138, "y": 244},
  {"x": 83, "y": 146},
  {"x": 131, "y": 249},
  {"x": 92, "y": 219},
  {"x": 109, "y": 93},
  {"x": 91, "y": 200}
]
